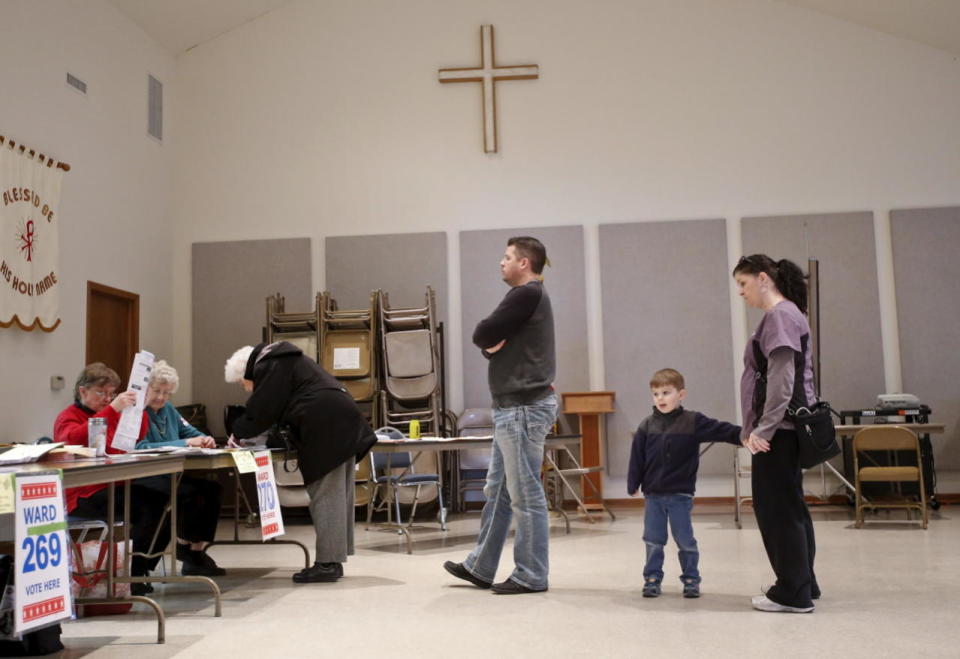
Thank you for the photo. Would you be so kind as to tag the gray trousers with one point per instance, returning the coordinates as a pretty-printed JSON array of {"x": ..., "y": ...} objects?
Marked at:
[{"x": 331, "y": 509}]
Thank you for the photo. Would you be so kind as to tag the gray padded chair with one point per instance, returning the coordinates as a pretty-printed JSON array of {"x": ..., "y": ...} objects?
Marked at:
[{"x": 472, "y": 464}]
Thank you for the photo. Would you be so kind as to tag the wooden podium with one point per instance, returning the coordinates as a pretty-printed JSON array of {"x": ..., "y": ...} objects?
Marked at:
[{"x": 589, "y": 406}]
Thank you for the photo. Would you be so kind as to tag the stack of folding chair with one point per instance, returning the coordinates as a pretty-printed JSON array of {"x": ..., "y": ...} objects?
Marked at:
[
  {"x": 411, "y": 365},
  {"x": 303, "y": 331},
  {"x": 300, "y": 329},
  {"x": 411, "y": 373},
  {"x": 344, "y": 343},
  {"x": 348, "y": 350}
]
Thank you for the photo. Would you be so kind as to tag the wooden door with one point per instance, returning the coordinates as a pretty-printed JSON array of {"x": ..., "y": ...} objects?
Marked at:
[{"x": 113, "y": 328}]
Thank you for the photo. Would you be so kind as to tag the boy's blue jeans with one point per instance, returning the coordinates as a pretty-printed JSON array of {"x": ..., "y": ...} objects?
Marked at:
[
  {"x": 514, "y": 488},
  {"x": 675, "y": 508}
]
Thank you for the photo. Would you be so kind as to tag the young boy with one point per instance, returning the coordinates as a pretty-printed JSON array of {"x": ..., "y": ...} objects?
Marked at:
[{"x": 663, "y": 463}]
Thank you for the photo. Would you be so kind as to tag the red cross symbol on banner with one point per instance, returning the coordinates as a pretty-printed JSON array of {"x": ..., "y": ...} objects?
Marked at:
[{"x": 27, "y": 239}]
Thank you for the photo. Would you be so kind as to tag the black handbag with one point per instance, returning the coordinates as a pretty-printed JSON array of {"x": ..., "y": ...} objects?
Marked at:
[
  {"x": 816, "y": 436},
  {"x": 284, "y": 437}
]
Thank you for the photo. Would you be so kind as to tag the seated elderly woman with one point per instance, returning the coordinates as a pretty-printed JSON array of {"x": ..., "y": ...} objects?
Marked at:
[
  {"x": 95, "y": 396},
  {"x": 198, "y": 499}
]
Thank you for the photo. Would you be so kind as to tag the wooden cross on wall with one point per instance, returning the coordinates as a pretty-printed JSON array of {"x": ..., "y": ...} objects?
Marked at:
[{"x": 489, "y": 73}]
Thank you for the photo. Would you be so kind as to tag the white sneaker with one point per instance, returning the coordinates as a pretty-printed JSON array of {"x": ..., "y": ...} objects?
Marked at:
[{"x": 763, "y": 603}]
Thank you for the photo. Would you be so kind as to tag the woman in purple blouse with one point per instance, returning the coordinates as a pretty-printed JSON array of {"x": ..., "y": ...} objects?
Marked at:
[{"x": 778, "y": 375}]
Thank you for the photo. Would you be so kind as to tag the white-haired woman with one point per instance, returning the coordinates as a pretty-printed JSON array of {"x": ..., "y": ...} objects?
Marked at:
[
  {"x": 167, "y": 427},
  {"x": 198, "y": 499},
  {"x": 325, "y": 427}
]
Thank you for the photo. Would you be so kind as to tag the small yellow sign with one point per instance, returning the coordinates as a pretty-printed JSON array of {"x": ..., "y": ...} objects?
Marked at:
[
  {"x": 6, "y": 494},
  {"x": 243, "y": 459}
]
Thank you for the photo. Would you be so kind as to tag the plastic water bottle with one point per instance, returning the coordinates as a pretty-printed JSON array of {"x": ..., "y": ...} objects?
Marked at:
[
  {"x": 414, "y": 432},
  {"x": 97, "y": 435}
]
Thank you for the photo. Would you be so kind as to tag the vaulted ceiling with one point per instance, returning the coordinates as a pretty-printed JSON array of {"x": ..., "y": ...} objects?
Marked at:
[{"x": 178, "y": 25}]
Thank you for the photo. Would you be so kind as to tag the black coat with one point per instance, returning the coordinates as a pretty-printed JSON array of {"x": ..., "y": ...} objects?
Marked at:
[{"x": 289, "y": 389}]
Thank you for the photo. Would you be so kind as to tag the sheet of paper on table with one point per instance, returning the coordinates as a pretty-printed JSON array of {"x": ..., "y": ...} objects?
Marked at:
[{"x": 22, "y": 453}]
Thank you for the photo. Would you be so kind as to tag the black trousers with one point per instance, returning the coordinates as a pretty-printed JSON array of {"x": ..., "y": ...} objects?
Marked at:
[
  {"x": 784, "y": 521},
  {"x": 198, "y": 505},
  {"x": 146, "y": 511}
]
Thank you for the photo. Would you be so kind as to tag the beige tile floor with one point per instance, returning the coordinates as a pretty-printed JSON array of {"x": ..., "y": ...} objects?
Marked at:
[{"x": 889, "y": 590}]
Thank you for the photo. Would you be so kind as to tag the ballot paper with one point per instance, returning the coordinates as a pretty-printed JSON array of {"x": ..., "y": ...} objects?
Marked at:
[
  {"x": 7, "y": 499},
  {"x": 128, "y": 430}
]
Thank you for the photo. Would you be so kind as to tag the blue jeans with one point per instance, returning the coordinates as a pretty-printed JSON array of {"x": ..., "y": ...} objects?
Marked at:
[
  {"x": 514, "y": 488},
  {"x": 675, "y": 508}
]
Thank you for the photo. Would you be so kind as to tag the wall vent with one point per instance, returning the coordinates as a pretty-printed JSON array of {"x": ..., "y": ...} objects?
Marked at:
[
  {"x": 77, "y": 83},
  {"x": 154, "y": 108}
]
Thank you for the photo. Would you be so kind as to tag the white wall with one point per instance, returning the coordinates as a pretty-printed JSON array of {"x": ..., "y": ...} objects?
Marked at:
[
  {"x": 327, "y": 119},
  {"x": 114, "y": 218}
]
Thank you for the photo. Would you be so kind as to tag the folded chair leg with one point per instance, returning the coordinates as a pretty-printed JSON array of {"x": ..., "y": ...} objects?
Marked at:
[
  {"x": 396, "y": 505},
  {"x": 373, "y": 498},
  {"x": 443, "y": 510},
  {"x": 413, "y": 509}
]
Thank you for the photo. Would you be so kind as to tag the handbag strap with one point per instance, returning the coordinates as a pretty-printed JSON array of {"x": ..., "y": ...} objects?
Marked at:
[{"x": 798, "y": 398}]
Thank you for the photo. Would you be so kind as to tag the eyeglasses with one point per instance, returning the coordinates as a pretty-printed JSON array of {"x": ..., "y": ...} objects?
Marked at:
[{"x": 101, "y": 394}]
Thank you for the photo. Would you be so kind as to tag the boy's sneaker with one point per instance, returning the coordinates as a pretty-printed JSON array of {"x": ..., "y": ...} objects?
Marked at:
[
  {"x": 764, "y": 603},
  {"x": 691, "y": 589},
  {"x": 651, "y": 588}
]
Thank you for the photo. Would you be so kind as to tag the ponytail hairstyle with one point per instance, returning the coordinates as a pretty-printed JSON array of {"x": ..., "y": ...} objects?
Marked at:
[{"x": 785, "y": 274}]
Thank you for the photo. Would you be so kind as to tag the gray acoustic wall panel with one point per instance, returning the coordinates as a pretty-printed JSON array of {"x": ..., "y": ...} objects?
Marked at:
[
  {"x": 927, "y": 273},
  {"x": 401, "y": 264},
  {"x": 851, "y": 351},
  {"x": 481, "y": 290},
  {"x": 231, "y": 281},
  {"x": 666, "y": 304}
]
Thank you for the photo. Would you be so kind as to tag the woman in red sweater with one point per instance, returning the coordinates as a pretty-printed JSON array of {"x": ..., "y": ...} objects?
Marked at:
[{"x": 95, "y": 396}]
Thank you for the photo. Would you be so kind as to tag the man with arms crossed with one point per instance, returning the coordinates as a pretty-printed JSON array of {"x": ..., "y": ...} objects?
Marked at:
[{"x": 518, "y": 340}]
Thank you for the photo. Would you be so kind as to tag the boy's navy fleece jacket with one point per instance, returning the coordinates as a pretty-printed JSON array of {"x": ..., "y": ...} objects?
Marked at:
[{"x": 665, "y": 456}]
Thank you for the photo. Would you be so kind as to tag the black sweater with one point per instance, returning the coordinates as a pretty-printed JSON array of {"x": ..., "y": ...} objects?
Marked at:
[
  {"x": 522, "y": 371},
  {"x": 665, "y": 456}
]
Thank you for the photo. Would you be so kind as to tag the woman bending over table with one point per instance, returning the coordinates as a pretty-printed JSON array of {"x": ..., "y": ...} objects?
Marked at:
[{"x": 327, "y": 430}]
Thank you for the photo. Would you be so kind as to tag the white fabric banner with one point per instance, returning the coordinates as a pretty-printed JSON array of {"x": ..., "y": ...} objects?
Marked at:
[{"x": 29, "y": 245}]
